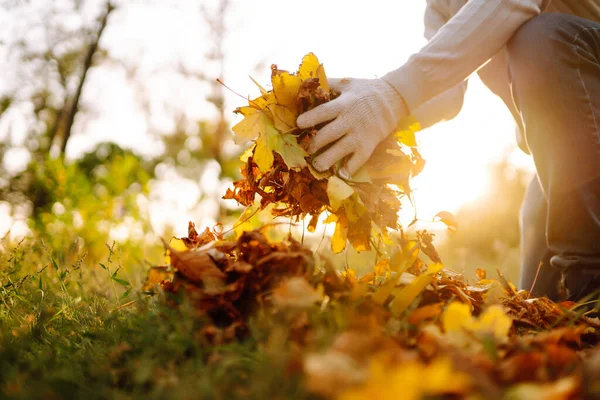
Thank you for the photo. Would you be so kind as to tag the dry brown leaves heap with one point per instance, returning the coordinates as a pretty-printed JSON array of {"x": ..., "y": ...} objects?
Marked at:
[{"x": 427, "y": 330}]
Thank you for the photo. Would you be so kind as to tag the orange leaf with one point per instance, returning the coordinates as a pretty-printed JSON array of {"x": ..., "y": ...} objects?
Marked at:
[{"x": 424, "y": 313}]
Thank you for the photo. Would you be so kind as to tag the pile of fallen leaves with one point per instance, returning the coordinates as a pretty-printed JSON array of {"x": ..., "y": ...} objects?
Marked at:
[{"x": 408, "y": 329}]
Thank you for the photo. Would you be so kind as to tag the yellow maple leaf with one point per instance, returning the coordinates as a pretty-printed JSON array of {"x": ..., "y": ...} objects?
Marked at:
[
  {"x": 384, "y": 291},
  {"x": 359, "y": 291},
  {"x": 456, "y": 317},
  {"x": 245, "y": 110},
  {"x": 251, "y": 126},
  {"x": 361, "y": 176},
  {"x": 309, "y": 66},
  {"x": 265, "y": 144},
  {"x": 337, "y": 191},
  {"x": 350, "y": 275},
  {"x": 177, "y": 245},
  {"x": 354, "y": 207},
  {"x": 323, "y": 82},
  {"x": 155, "y": 276},
  {"x": 247, "y": 220},
  {"x": 283, "y": 119},
  {"x": 411, "y": 381},
  {"x": 382, "y": 268},
  {"x": 492, "y": 322},
  {"x": 262, "y": 102},
  {"x": 319, "y": 175},
  {"x": 293, "y": 155},
  {"x": 407, "y": 128},
  {"x": 285, "y": 88},
  {"x": 340, "y": 234},
  {"x": 405, "y": 257},
  {"x": 270, "y": 129},
  {"x": 247, "y": 153}
]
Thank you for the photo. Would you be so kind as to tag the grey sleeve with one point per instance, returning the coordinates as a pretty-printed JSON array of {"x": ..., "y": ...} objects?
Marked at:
[{"x": 447, "y": 105}]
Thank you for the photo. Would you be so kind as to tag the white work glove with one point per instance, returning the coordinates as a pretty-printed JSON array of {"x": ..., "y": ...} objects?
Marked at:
[{"x": 366, "y": 112}]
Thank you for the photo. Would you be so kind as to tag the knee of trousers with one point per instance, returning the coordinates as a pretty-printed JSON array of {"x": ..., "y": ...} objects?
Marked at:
[{"x": 532, "y": 49}]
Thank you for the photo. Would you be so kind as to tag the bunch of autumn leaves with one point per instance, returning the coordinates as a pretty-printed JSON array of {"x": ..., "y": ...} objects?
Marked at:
[{"x": 276, "y": 167}]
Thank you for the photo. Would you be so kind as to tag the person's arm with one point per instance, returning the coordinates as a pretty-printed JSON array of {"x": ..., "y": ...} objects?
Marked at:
[
  {"x": 443, "y": 107},
  {"x": 465, "y": 43},
  {"x": 447, "y": 105},
  {"x": 369, "y": 110}
]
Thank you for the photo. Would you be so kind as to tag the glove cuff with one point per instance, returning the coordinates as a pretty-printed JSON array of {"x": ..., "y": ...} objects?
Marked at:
[
  {"x": 393, "y": 99},
  {"x": 409, "y": 82}
]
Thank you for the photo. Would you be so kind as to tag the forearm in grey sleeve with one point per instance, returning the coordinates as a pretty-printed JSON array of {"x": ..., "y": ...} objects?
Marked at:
[
  {"x": 443, "y": 107},
  {"x": 465, "y": 43},
  {"x": 448, "y": 104}
]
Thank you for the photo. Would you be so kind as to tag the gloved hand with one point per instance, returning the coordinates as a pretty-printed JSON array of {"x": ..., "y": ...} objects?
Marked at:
[{"x": 366, "y": 112}]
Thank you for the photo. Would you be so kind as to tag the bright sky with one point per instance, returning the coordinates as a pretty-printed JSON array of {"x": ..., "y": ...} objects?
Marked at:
[{"x": 355, "y": 39}]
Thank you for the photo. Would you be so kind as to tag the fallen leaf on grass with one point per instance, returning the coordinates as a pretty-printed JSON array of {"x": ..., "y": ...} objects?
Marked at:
[
  {"x": 197, "y": 266},
  {"x": 411, "y": 381},
  {"x": 406, "y": 295},
  {"x": 425, "y": 313},
  {"x": 156, "y": 276},
  {"x": 494, "y": 322}
]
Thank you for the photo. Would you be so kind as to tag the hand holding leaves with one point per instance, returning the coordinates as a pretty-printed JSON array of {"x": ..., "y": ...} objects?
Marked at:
[
  {"x": 276, "y": 168},
  {"x": 366, "y": 112}
]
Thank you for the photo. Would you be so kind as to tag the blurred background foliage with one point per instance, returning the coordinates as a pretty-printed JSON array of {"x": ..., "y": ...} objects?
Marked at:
[{"x": 53, "y": 52}]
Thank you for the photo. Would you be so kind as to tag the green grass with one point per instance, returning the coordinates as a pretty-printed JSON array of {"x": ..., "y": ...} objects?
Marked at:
[{"x": 73, "y": 327}]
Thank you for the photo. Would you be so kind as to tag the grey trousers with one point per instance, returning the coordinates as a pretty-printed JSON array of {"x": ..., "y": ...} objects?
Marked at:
[{"x": 554, "y": 68}]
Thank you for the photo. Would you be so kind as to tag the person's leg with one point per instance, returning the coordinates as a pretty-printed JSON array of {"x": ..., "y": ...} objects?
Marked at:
[
  {"x": 537, "y": 274},
  {"x": 554, "y": 63}
]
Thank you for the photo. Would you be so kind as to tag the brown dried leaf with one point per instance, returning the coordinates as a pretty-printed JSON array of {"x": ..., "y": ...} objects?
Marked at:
[{"x": 197, "y": 266}]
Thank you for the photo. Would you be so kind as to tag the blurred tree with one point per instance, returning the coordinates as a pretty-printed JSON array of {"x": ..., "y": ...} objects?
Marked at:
[
  {"x": 71, "y": 105},
  {"x": 214, "y": 134},
  {"x": 59, "y": 45},
  {"x": 54, "y": 54},
  {"x": 210, "y": 140},
  {"x": 56, "y": 49}
]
